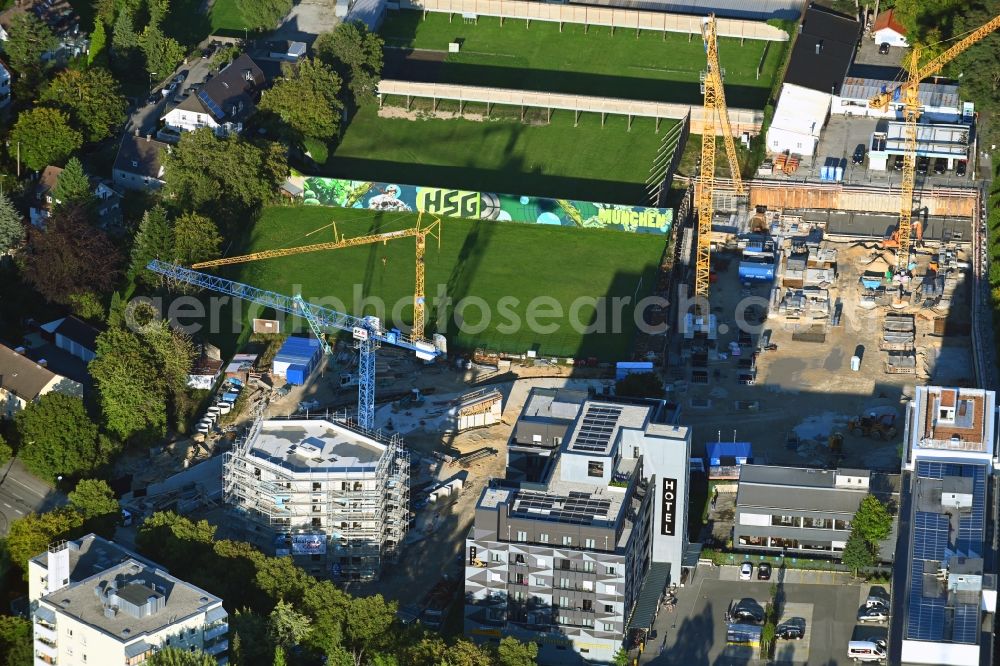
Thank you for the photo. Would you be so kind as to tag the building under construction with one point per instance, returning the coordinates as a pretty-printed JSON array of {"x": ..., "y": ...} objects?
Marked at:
[{"x": 331, "y": 496}]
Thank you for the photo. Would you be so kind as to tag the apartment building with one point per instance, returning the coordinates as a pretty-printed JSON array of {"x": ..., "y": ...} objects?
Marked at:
[
  {"x": 579, "y": 558},
  {"x": 945, "y": 599},
  {"x": 333, "y": 497},
  {"x": 806, "y": 511},
  {"x": 95, "y": 603}
]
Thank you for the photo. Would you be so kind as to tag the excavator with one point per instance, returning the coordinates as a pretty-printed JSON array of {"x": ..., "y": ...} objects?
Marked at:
[
  {"x": 882, "y": 426},
  {"x": 891, "y": 242}
]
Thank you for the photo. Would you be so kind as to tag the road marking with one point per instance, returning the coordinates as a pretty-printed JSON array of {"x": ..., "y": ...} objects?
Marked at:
[
  {"x": 19, "y": 512},
  {"x": 7, "y": 505}
]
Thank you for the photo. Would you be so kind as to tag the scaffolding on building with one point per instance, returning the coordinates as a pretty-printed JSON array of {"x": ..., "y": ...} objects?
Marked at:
[{"x": 362, "y": 515}]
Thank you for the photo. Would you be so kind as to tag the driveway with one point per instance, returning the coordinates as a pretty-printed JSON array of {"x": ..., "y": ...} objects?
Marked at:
[{"x": 147, "y": 117}]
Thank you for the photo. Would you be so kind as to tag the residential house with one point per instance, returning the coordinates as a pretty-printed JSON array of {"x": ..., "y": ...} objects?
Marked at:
[
  {"x": 62, "y": 20},
  {"x": 74, "y": 336},
  {"x": 888, "y": 30},
  {"x": 138, "y": 165},
  {"x": 23, "y": 381},
  {"x": 94, "y": 602},
  {"x": 223, "y": 103},
  {"x": 41, "y": 207}
]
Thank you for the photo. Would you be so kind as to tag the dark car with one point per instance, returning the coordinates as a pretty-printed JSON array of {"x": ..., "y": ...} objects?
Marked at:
[
  {"x": 859, "y": 154},
  {"x": 961, "y": 167},
  {"x": 883, "y": 48},
  {"x": 793, "y": 630},
  {"x": 746, "y": 615},
  {"x": 940, "y": 165},
  {"x": 923, "y": 165},
  {"x": 763, "y": 571},
  {"x": 897, "y": 164}
]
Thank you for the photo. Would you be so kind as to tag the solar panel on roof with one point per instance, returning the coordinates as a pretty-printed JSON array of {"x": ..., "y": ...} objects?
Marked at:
[
  {"x": 596, "y": 428},
  {"x": 966, "y": 624},
  {"x": 210, "y": 103}
]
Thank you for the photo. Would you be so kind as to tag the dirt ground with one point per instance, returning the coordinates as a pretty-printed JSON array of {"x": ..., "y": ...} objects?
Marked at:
[{"x": 816, "y": 379}]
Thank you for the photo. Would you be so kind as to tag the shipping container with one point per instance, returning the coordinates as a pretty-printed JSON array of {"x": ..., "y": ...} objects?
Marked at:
[{"x": 297, "y": 374}]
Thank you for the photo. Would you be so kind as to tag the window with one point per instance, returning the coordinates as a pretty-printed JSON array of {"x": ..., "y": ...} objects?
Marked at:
[
  {"x": 611, "y": 571},
  {"x": 564, "y": 583},
  {"x": 567, "y": 541},
  {"x": 522, "y": 536},
  {"x": 588, "y": 566},
  {"x": 588, "y": 585},
  {"x": 608, "y": 608},
  {"x": 607, "y": 626},
  {"x": 589, "y": 543},
  {"x": 610, "y": 589},
  {"x": 543, "y": 537},
  {"x": 563, "y": 602},
  {"x": 494, "y": 576},
  {"x": 496, "y": 557},
  {"x": 588, "y": 605},
  {"x": 316, "y": 487},
  {"x": 564, "y": 565},
  {"x": 595, "y": 468},
  {"x": 540, "y": 562},
  {"x": 519, "y": 559}
]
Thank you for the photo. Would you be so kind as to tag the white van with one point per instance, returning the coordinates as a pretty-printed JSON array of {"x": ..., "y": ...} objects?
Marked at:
[{"x": 867, "y": 650}]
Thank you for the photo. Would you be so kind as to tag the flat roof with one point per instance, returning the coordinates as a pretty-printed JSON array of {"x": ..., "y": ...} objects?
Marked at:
[
  {"x": 89, "y": 555},
  {"x": 553, "y": 403},
  {"x": 315, "y": 445},
  {"x": 596, "y": 429},
  {"x": 181, "y": 600},
  {"x": 798, "y": 488},
  {"x": 930, "y": 94},
  {"x": 953, "y": 419},
  {"x": 940, "y": 606}
]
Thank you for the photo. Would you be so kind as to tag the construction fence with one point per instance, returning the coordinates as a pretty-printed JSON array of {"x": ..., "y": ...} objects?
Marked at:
[{"x": 613, "y": 17}]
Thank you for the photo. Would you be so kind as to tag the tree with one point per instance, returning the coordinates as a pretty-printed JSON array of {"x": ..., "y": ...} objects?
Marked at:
[
  {"x": 174, "y": 540},
  {"x": 45, "y": 137},
  {"x": 11, "y": 225},
  {"x": 279, "y": 656},
  {"x": 196, "y": 238},
  {"x": 209, "y": 174},
  {"x": 254, "y": 647},
  {"x": 70, "y": 257},
  {"x": 513, "y": 652},
  {"x": 93, "y": 99},
  {"x": 138, "y": 374},
  {"x": 95, "y": 501},
  {"x": 286, "y": 627},
  {"x": 15, "y": 641},
  {"x": 356, "y": 54},
  {"x": 57, "y": 437},
  {"x": 172, "y": 656},
  {"x": 32, "y": 534},
  {"x": 73, "y": 187},
  {"x": 467, "y": 653},
  {"x": 29, "y": 38},
  {"x": 856, "y": 554},
  {"x": 872, "y": 522},
  {"x": 162, "y": 53},
  {"x": 305, "y": 98},
  {"x": 98, "y": 43},
  {"x": 6, "y": 452},
  {"x": 263, "y": 14},
  {"x": 153, "y": 240},
  {"x": 620, "y": 658},
  {"x": 124, "y": 39},
  {"x": 365, "y": 625},
  {"x": 640, "y": 385}
]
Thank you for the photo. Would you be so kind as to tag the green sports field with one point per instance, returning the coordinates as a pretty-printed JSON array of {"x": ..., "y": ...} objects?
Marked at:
[
  {"x": 655, "y": 66},
  {"x": 477, "y": 260},
  {"x": 588, "y": 162}
]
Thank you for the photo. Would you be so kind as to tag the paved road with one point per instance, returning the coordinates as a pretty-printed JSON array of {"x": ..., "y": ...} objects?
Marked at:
[{"x": 21, "y": 493}]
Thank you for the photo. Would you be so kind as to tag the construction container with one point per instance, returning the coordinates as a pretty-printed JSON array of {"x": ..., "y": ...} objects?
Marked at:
[
  {"x": 855, "y": 363},
  {"x": 297, "y": 374},
  {"x": 298, "y": 351}
]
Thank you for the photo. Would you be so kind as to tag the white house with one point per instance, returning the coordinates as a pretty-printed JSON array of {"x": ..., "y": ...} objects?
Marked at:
[
  {"x": 138, "y": 166},
  {"x": 798, "y": 120},
  {"x": 41, "y": 207},
  {"x": 23, "y": 381},
  {"x": 223, "y": 103},
  {"x": 888, "y": 30}
]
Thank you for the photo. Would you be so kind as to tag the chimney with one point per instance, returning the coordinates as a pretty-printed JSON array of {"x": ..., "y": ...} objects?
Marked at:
[{"x": 58, "y": 567}]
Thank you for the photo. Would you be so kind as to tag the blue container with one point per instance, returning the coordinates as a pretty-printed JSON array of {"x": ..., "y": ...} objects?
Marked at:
[{"x": 297, "y": 374}]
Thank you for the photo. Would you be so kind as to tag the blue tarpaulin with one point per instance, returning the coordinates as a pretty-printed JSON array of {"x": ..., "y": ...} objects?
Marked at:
[{"x": 716, "y": 451}]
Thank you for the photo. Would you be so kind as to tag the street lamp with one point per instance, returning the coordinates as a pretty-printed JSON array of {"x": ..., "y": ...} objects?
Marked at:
[{"x": 151, "y": 75}]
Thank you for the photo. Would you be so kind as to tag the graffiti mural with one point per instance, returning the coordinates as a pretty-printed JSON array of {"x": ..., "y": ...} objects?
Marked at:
[{"x": 392, "y": 197}]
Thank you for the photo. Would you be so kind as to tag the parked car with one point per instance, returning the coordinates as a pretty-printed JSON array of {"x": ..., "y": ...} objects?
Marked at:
[
  {"x": 940, "y": 165},
  {"x": 923, "y": 165},
  {"x": 884, "y": 48},
  {"x": 792, "y": 630},
  {"x": 763, "y": 571},
  {"x": 961, "y": 167},
  {"x": 897, "y": 164},
  {"x": 746, "y": 571},
  {"x": 873, "y": 615},
  {"x": 169, "y": 88},
  {"x": 859, "y": 154}
]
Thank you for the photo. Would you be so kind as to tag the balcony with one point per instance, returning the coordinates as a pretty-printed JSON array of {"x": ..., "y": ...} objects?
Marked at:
[
  {"x": 46, "y": 648},
  {"x": 45, "y": 630},
  {"x": 215, "y": 631},
  {"x": 44, "y": 661},
  {"x": 221, "y": 646}
]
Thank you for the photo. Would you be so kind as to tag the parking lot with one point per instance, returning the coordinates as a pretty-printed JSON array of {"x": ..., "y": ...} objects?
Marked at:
[{"x": 827, "y": 603}]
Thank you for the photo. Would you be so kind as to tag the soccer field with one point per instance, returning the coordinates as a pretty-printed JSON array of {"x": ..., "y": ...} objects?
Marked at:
[
  {"x": 497, "y": 268},
  {"x": 607, "y": 165},
  {"x": 655, "y": 66}
]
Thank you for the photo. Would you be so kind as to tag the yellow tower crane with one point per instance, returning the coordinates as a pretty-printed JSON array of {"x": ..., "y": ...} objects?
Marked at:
[
  {"x": 909, "y": 92},
  {"x": 420, "y": 233},
  {"x": 715, "y": 104}
]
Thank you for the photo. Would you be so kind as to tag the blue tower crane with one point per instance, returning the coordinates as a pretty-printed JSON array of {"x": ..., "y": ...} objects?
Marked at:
[{"x": 367, "y": 331}]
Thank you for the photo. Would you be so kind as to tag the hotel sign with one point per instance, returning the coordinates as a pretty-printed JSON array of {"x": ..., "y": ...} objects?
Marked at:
[{"x": 668, "y": 504}]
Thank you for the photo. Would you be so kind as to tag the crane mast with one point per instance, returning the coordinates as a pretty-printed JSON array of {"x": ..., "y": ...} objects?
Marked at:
[
  {"x": 909, "y": 91},
  {"x": 715, "y": 104}
]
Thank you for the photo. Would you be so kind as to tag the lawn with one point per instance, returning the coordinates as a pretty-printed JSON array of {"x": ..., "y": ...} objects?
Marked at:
[
  {"x": 607, "y": 165},
  {"x": 227, "y": 19},
  {"x": 476, "y": 260},
  {"x": 656, "y": 66}
]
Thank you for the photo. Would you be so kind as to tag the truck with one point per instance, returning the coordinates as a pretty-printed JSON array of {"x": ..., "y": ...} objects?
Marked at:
[{"x": 437, "y": 602}]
